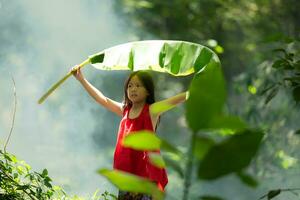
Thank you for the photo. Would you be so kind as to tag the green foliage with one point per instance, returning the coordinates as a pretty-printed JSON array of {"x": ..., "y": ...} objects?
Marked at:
[
  {"x": 18, "y": 182},
  {"x": 286, "y": 69}
]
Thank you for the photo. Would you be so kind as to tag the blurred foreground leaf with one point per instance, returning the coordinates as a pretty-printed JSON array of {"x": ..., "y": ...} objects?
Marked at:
[
  {"x": 132, "y": 183},
  {"x": 247, "y": 179},
  {"x": 231, "y": 155},
  {"x": 207, "y": 97}
]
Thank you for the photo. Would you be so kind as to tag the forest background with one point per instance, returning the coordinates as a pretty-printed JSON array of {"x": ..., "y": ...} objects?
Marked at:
[{"x": 72, "y": 137}]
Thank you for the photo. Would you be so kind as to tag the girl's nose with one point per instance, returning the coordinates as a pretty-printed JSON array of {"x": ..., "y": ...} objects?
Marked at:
[{"x": 133, "y": 88}]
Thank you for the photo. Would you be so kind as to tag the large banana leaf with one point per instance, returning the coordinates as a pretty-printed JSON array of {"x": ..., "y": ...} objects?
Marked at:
[{"x": 178, "y": 58}]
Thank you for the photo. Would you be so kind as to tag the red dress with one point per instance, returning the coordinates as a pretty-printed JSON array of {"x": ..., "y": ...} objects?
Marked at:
[{"x": 134, "y": 161}]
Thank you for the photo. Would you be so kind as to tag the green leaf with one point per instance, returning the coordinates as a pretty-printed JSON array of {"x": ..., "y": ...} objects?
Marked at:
[
  {"x": 202, "y": 146},
  {"x": 15, "y": 175},
  {"x": 280, "y": 50},
  {"x": 142, "y": 140},
  {"x": 23, "y": 187},
  {"x": 157, "y": 160},
  {"x": 132, "y": 183},
  {"x": 297, "y": 132},
  {"x": 296, "y": 94},
  {"x": 203, "y": 59},
  {"x": 232, "y": 155},
  {"x": 207, "y": 97},
  {"x": 7, "y": 157},
  {"x": 97, "y": 58},
  {"x": 278, "y": 64},
  {"x": 166, "y": 146},
  {"x": 247, "y": 179},
  {"x": 47, "y": 183},
  {"x": 272, "y": 94},
  {"x": 161, "y": 106},
  {"x": 178, "y": 58},
  {"x": 44, "y": 173},
  {"x": 174, "y": 164},
  {"x": 219, "y": 49},
  {"x": 147, "y": 140},
  {"x": 227, "y": 122}
]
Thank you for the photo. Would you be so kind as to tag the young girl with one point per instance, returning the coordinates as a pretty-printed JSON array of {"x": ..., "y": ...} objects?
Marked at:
[{"x": 135, "y": 112}]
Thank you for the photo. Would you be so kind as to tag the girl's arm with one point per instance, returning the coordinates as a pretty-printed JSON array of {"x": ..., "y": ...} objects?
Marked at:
[
  {"x": 160, "y": 107},
  {"x": 108, "y": 103}
]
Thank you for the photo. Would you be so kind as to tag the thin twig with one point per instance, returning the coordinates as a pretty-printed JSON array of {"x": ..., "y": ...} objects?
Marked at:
[
  {"x": 283, "y": 190},
  {"x": 14, "y": 114}
]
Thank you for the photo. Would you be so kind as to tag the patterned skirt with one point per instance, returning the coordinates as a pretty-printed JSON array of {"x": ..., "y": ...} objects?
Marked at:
[{"x": 123, "y": 195}]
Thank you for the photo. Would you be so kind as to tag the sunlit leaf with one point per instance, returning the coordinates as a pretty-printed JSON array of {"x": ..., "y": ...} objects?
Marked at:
[
  {"x": 147, "y": 140},
  {"x": 227, "y": 122},
  {"x": 286, "y": 160},
  {"x": 252, "y": 89},
  {"x": 231, "y": 155},
  {"x": 178, "y": 58},
  {"x": 142, "y": 140},
  {"x": 157, "y": 160},
  {"x": 212, "y": 43},
  {"x": 132, "y": 183},
  {"x": 161, "y": 106},
  {"x": 202, "y": 145},
  {"x": 219, "y": 49}
]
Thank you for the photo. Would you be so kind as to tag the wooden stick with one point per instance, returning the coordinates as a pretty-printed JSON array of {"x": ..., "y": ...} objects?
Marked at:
[{"x": 57, "y": 84}]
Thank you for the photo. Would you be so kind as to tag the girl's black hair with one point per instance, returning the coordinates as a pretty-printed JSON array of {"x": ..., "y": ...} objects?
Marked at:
[{"x": 147, "y": 82}]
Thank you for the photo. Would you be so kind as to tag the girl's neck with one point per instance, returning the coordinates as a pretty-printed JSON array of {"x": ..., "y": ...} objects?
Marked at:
[{"x": 138, "y": 105}]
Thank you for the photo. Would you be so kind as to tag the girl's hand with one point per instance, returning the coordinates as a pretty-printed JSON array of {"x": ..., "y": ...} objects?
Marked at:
[{"x": 77, "y": 73}]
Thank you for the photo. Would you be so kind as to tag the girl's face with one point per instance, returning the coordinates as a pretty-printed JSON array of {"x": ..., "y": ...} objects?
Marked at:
[{"x": 136, "y": 92}]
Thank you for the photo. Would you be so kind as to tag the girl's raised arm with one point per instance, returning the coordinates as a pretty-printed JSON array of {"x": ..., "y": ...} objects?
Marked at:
[
  {"x": 160, "y": 107},
  {"x": 108, "y": 103}
]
